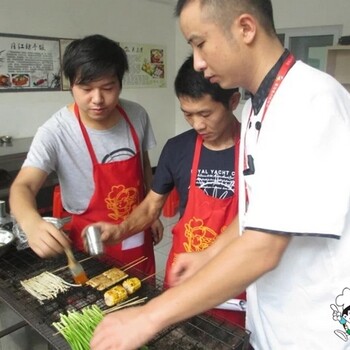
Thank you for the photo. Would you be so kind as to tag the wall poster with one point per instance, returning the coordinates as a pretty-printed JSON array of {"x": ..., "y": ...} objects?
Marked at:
[
  {"x": 29, "y": 63},
  {"x": 33, "y": 63},
  {"x": 147, "y": 65}
]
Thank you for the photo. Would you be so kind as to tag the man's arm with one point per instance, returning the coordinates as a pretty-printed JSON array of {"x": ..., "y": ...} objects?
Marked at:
[
  {"x": 235, "y": 267},
  {"x": 229, "y": 272},
  {"x": 147, "y": 212},
  {"x": 42, "y": 236},
  {"x": 147, "y": 172}
]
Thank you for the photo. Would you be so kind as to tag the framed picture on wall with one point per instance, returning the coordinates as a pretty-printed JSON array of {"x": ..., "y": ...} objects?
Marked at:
[
  {"x": 29, "y": 63},
  {"x": 63, "y": 44}
]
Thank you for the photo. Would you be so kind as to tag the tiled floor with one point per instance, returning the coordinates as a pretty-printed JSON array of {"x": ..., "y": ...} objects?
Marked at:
[{"x": 27, "y": 339}]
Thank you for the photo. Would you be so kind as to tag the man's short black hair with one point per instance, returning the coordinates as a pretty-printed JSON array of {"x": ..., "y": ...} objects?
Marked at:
[
  {"x": 193, "y": 84},
  {"x": 224, "y": 12},
  {"x": 94, "y": 57}
]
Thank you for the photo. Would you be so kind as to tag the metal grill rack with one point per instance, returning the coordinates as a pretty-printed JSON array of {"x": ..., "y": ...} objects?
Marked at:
[{"x": 200, "y": 332}]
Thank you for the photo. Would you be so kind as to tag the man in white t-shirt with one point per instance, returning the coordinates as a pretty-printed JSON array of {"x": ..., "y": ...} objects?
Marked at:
[
  {"x": 98, "y": 146},
  {"x": 290, "y": 247}
]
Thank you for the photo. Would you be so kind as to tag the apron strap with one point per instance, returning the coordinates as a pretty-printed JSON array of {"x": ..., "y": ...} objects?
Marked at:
[
  {"x": 196, "y": 156},
  {"x": 132, "y": 129},
  {"x": 85, "y": 135},
  {"x": 87, "y": 138}
]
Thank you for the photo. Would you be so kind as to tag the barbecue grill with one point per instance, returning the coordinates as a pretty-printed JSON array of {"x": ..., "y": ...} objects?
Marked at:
[{"x": 200, "y": 332}]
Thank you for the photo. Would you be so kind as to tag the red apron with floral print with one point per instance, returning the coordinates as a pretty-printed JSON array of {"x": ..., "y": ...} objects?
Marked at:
[
  {"x": 119, "y": 188},
  {"x": 204, "y": 218}
]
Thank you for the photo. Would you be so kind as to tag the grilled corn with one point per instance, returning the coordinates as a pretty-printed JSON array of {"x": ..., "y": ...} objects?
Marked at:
[
  {"x": 115, "y": 295},
  {"x": 132, "y": 285}
]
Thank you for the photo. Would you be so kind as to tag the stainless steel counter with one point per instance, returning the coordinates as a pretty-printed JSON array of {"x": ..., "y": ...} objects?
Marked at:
[
  {"x": 18, "y": 148},
  {"x": 12, "y": 156}
]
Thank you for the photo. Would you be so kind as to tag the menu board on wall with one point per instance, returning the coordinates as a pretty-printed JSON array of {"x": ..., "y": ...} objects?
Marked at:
[
  {"x": 147, "y": 65},
  {"x": 33, "y": 63},
  {"x": 29, "y": 63}
]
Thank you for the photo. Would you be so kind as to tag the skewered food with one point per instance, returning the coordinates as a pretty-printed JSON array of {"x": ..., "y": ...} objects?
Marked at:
[
  {"x": 96, "y": 281},
  {"x": 115, "y": 295},
  {"x": 119, "y": 293},
  {"x": 78, "y": 326},
  {"x": 115, "y": 274},
  {"x": 132, "y": 285},
  {"x": 107, "y": 279},
  {"x": 46, "y": 286}
]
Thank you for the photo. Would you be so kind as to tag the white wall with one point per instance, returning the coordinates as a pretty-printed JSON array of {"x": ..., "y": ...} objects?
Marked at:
[
  {"x": 301, "y": 13},
  {"x": 125, "y": 20}
]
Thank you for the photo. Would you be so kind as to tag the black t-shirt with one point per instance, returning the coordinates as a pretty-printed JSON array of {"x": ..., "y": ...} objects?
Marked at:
[{"x": 216, "y": 173}]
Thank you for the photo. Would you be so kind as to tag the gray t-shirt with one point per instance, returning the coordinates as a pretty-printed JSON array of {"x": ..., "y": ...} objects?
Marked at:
[{"x": 59, "y": 146}]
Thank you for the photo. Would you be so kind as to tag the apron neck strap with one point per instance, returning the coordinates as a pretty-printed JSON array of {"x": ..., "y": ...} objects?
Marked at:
[{"x": 87, "y": 138}]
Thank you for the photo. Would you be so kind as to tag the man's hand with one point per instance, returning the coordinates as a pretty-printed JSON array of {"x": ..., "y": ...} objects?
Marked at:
[
  {"x": 157, "y": 229},
  {"x": 45, "y": 239},
  {"x": 110, "y": 233},
  {"x": 186, "y": 265},
  {"x": 128, "y": 329}
]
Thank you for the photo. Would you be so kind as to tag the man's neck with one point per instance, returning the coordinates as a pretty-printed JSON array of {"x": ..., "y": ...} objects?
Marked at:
[
  {"x": 227, "y": 139},
  {"x": 264, "y": 60}
]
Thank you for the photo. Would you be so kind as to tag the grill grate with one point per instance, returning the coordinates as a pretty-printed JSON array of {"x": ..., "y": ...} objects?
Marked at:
[{"x": 200, "y": 332}]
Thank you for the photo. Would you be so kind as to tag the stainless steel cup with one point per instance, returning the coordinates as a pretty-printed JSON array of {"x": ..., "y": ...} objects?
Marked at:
[{"x": 93, "y": 240}]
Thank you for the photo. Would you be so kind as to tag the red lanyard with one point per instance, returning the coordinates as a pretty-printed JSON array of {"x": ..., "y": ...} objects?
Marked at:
[{"x": 286, "y": 66}]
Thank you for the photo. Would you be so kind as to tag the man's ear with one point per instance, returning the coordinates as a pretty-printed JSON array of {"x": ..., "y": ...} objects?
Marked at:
[
  {"x": 234, "y": 101},
  {"x": 247, "y": 27}
]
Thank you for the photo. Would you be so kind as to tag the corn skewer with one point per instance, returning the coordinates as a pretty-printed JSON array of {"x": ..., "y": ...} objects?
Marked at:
[{"x": 133, "y": 301}]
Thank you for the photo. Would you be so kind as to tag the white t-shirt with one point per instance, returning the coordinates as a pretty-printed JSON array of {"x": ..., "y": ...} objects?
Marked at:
[
  {"x": 301, "y": 187},
  {"x": 59, "y": 146}
]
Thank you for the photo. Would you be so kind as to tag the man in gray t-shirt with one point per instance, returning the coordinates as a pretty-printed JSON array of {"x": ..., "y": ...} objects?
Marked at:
[{"x": 98, "y": 148}]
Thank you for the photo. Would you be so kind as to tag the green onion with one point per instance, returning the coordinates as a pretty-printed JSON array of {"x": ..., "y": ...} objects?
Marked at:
[{"x": 77, "y": 327}]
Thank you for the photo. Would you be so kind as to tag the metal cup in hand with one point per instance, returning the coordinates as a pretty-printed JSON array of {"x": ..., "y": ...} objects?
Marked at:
[{"x": 93, "y": 240}]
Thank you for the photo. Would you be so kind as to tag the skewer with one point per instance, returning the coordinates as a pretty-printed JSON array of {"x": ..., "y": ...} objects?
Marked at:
[
  {"x": 125, "y": 304},
  {"x": 146, "y": 278},
  {"x": 122, "y": 303},
  {"x": 66, "y": 266},
  {"x": 138, "y": 262},
  {"x": 127, "y": 266}
]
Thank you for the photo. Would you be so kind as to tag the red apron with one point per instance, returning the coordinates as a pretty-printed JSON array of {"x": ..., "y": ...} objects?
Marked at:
[
  {"x": 204, "y": 218},
  {"x": 118, "y": 190}
]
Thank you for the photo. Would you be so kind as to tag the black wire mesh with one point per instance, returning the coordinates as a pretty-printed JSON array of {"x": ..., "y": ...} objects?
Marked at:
[{"x": 199, "y": 332}]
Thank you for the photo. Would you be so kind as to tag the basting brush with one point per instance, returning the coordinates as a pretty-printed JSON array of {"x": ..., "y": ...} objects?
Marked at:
[{"x": 76, "y": 269}]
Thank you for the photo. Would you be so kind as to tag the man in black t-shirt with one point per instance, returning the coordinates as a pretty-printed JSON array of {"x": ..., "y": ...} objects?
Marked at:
[{"x": 202, "y": 164}]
